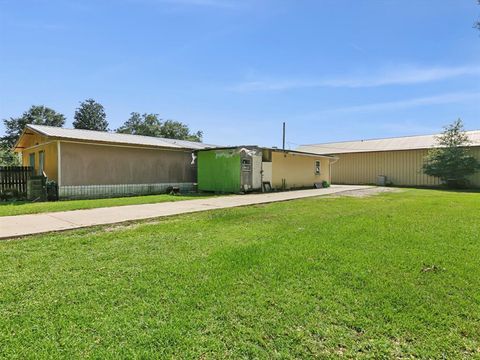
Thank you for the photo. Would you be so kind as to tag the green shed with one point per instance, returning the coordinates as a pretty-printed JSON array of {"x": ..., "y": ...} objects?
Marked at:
[{"x": 229, "y": 170}]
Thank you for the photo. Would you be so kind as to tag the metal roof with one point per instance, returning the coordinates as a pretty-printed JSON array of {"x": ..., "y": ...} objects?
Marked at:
[
  {"x": 387, "y": 144},
  {"x": 248, "y": 147},
  {"x": 111, "y": 137}
]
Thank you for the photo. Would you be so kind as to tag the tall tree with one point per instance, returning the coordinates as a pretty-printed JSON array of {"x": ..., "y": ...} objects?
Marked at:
[
  {"x": 152, "y": 125},
  {"x": 145, "y": 124},
  {"x": 477, "y": 24},
  {"x": 37, "y": 114},
  {"x": 451, "y": 161},
  {"x": 176, "y": 130},
  {"x": 90, "y": 115}
]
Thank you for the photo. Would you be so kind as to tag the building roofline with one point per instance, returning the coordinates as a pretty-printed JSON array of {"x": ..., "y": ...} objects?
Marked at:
[
  {"x": 380, "y": 138},
  {"x": 177, "y": 146},
  {"x": 269, "y": 148}
]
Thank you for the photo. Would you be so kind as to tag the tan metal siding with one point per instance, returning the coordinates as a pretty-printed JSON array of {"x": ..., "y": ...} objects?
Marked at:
[
  {"x": 475, "y": 179},
  {"x": 89, "y": 164},
  {"x": 402, "y": 167}
]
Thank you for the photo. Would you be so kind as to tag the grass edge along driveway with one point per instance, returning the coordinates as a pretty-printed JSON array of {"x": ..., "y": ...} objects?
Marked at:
[
  {"x": 23, "y": 208},
  {"x": 387, "y": 276}
]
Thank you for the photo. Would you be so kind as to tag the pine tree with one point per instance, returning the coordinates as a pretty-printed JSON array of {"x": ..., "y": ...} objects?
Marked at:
[{"x": 451, "y": 160}]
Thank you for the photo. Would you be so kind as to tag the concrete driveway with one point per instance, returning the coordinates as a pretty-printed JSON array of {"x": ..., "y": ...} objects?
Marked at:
[{"x": 22, "y": 225}]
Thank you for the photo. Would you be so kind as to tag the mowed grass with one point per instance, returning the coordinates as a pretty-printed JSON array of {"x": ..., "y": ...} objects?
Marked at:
[
  {"x": 388, "y": 276},
  {"x": 21, "y": 207}
]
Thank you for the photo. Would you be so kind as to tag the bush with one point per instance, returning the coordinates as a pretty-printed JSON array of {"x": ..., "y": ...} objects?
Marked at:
[
  {"x": 11, "y": 194},
  {"x": 457, "y": 183},
  {"x": 52, "y": 190},
  {"x": 325, "y": 184}
]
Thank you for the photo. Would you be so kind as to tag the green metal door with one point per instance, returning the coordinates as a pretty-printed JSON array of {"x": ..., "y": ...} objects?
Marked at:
[{"x": 219, "y": 170}]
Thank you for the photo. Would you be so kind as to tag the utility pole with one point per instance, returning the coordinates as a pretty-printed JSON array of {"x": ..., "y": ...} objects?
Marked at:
[{"x": 283, "y": 146}]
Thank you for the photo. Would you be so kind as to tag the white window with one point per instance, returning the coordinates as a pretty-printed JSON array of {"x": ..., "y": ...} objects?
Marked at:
[
  {"x": 317, "y": 167},
  {"x": 246, "y": 165},
  {"x": 41, "y": 162}
]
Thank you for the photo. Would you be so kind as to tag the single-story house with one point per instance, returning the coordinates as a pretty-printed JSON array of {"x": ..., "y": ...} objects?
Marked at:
[
  {"x": 396, "y": 161},
  {"x": 252, "y": 168},
  {"x": 88, "y": 164}
]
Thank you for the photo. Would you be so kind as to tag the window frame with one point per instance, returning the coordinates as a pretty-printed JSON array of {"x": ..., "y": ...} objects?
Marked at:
[
  {"x": 41, "y": 162},
  {"x": 31, "y": 160},
  {"x": 318, "y": 167},
  {"x": 247, "y": 165}
]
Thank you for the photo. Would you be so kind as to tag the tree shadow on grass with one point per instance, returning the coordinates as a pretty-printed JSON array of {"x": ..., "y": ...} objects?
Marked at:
[{"x": 442, "y": 188}]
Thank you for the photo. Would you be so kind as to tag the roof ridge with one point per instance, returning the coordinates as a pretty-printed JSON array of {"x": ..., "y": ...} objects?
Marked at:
[
  {"x": 113, "y": 133},
  {"x": 114, "y": 137},
  {"x": 375, "y": 139}
]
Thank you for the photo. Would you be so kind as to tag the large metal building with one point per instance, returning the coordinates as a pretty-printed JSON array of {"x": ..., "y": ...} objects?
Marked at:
[{"x": 396, "y": 161}]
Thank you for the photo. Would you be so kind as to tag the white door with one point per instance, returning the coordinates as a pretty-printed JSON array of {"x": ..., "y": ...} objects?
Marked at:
[
  {"x": 257, "y": 172},
  {"x": 267, "y": 172}
]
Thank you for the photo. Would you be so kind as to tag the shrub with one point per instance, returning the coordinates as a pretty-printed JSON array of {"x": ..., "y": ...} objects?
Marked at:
[
  {"x": 11, "y": 194},
  {"x": 325, "y": 184},
  {"x": 52, "y": 190},
  {"x": 451, "y": 161}
]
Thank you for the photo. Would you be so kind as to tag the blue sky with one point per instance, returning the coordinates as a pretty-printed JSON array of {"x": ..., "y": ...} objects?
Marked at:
[{"x": 236, "y": 69}]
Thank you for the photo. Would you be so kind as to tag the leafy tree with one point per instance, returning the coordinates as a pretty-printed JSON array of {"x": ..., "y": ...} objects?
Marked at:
[
  {"x": 90, "y": 116},
  {"x": 477, "y": 24},
  {"x": 145, "y": 124},
  {"x": 151, "y": 125},
  {"x": 8, "y": 157},
  {"x": 451, "y": 161},
  {"x": 176, "y": 130},
  {"x": 38, "y": 115}
]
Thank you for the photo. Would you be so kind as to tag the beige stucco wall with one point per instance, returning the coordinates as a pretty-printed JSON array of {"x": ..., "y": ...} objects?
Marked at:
[
  {"x": 298, "y": 170},
  {"x": 89, "y": 164},
  {"x": 50, "y": 160},
  {"x": 402, "y": 168}
]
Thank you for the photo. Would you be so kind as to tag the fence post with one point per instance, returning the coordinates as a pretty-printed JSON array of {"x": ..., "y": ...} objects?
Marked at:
[{"x": 15, "y": 177}]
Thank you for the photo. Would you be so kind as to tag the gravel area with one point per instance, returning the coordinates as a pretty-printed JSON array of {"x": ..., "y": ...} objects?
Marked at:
[{"x": 367, "y": 192}]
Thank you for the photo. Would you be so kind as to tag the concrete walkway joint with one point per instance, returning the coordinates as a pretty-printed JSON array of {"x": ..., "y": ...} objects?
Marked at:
[{"x": 22, "y": 225}]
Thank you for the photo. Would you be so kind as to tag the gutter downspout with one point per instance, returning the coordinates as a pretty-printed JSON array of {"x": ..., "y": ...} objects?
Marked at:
[
  {"x": 59, "y": 164},
  {"x": 335, "y": 159}
]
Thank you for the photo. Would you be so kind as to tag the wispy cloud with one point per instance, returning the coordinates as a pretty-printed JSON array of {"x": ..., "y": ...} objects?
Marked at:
[
  {"x": 403, "y": 75},
  {"x": 204, "y": 3},
  {"x": 449, "y": 98}
]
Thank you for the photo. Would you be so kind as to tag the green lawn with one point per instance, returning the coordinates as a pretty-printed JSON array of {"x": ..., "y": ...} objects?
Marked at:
[
  {"x": 389, "y": 276},
  {"x": 19, "y": 208}
]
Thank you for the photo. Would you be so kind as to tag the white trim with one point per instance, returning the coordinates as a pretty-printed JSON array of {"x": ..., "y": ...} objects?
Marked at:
[
  {"x": 36, "y": 146},
  {"x": 299, "y": 153},
  {"x": 147, "y": 147},
  {"x": 59, "y": 164}
]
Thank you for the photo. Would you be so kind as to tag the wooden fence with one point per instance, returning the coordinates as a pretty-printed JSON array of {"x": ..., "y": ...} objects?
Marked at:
[{"x": 15, "y": 177}]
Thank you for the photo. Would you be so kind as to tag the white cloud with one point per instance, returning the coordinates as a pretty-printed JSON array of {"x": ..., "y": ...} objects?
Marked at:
[
  {"x": 402, "y": 75},
  {"x": 409, "y": 103},
  {"x": 205, "y": 3}
]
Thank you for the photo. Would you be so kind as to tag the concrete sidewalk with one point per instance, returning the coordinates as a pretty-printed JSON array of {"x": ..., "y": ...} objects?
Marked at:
[{"x": 21, "y": 225}]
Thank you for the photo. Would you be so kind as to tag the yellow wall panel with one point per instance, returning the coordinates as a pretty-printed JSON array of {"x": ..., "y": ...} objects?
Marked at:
[
  {"x": 298, "y": 170},
  {"x": 50, "y": 160}
]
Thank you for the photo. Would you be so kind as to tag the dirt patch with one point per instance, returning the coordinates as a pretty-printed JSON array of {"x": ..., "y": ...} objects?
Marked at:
[
  {"x": 127, "y": 225},
  {"x": 366, "y": 192}
]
